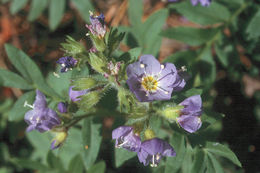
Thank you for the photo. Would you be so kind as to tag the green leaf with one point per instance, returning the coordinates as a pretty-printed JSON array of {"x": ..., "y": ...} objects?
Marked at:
[
  {"x": 76, "y": 165},
  {"x": 215, "y": 13},
  {"x": 178, "y": 143},
  {"x": 29, "y": 70},
  {"x": 135, "y": 12},
  {"x": 17, "y": 5},
  {"x": 99, "y": 167},
  {"x": 190, "y": 36},
  {"x": 213, "y": 164},
  {"x": 56, "y": 11},
  {"x": 16, "y": 57},
  {"x": 122, "y": 155},
  {"x": 206, "y": 67},
  {"x": 151, "y": 40},
  {"x": 10, "y": 79},
  {"x": 192, "y": 92},
  {"x": 18, "y": 110},
  {"x": 222, "y": 150},
  {"x": 70, "y": 148},
  {"x": 223, "y": 53},
  {"x": 41, "y": 143},
  {"x": 91, "y": 140},
  {"x": 83, "y": 6},
  {"x": 36, "y": 9},
  {"x": 54, "y": 162},
  {"x": 130, "y": 56},
  {"x": 187, "y": 163},
  {"x": 29, "y": 164},
  {"x": 253, "y": 27},
  {"x": 199, "y": 161},
  {"x": 84, "y": 83}
]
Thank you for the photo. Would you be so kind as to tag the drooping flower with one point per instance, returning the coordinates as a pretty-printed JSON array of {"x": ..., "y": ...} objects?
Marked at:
[
  {"x": 75, "y": 95},
  {"x": 97, "y": 26},
  {"x": 126, "y": 138},
  {"x": 153, "y": 150},
  {"x": 41, "y": 117},
  {"x": 202, "y": 2},
  {"x": 67, "y": 63},
  {"x": 62, "y": 107},
  {"x": 190, "y": 114},
  {"x": 149, "y": 80}
]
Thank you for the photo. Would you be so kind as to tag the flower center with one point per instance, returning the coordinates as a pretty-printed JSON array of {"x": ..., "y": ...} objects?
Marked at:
[{"x": 149, "y": 83}]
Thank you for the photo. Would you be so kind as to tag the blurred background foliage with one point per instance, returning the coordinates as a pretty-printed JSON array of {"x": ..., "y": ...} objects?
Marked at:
[{"x": 218, "y": 44}]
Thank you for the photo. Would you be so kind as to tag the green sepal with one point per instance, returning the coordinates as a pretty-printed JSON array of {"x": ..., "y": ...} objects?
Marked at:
[
  {"x": 89, "y": 100},
  {"x": 98, "y": 42},
  {"x": 114, "y": 40},
  {"x": 85, "y": 83},
  {"x": 126, "y": 99},
  {"x": 171, "y": 113},
  {"x": 98, "y": 63},
  {"x": 71, "y": 47}
]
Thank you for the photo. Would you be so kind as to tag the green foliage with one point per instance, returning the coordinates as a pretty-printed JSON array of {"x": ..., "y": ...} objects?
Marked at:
[
  {"x": 56, "y": 9},
  {"x": 210, "y": 48},
  {"x": 10, "y": 79},
  {"x": 253, "y": 27},
  {"x": 91, "y": 140},
  {"x": 122, "y": 155},
  {"x": 215, "y": 13},
  {"x": 190, "y": 36}
]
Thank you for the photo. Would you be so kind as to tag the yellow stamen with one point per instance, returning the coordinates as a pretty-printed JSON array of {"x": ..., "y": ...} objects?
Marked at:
[{"x": 149, "y": 83}]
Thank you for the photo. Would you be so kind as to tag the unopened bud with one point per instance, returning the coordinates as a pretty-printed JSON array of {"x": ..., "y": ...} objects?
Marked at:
[
  {"x": 59, "y": 139},
  {"x": 149, "y": 134}
]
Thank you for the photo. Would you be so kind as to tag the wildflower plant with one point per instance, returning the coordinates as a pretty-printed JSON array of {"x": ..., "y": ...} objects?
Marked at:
[{"x": 163, "y": 120}]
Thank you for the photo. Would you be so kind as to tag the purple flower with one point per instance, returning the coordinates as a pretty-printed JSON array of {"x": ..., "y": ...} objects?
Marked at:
[
  {"x": 62, "y": 107},
  {"x": 97, "y": 26},
  {"x": 126, "y": 138},
  {"x": 152, "y": 151},
  {"x": 75, "y": 95},
  {"x": 149, "y": 80},
  {"x": 202, "y": 2},
  {"x": 41, "y": 117},
  {"x": 195, "y": 2},
  {"x": 192, "y": 106},
  {"x": 67, "y": 63},
  {"x": 190, "y": 114}
]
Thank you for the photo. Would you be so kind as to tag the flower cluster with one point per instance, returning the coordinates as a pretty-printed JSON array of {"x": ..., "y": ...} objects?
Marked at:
[
  {"x": 148, "y": 151},
  {"x": 67, "y": 63},
  {"x": 97, "y": 26},
  {"x": 148, "y": 80}
]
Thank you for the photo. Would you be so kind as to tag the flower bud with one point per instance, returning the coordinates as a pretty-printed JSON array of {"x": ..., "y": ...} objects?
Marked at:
[
  {"x": 62, "y": 107},
  {"x": 84, "y": 83},
  {"x": 97, "y": 63},
  {"x": 171, "y": 113},
  {"x": 59, "y": 139},
  {"x": 149, "y": 134},
  {"x": 74, "y": 95},
  {"x": 72, "y": 47},
  {"x": 89, "y": 100}
]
